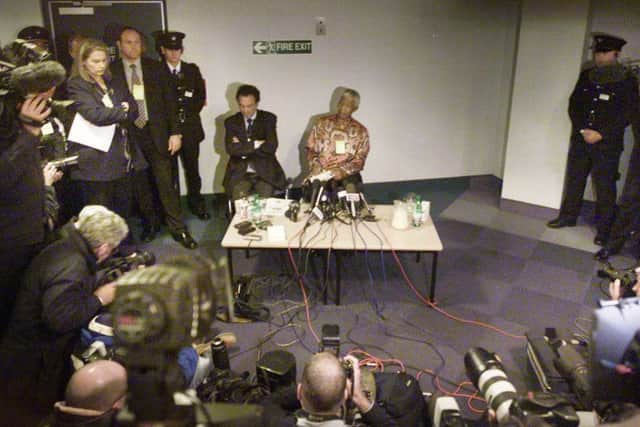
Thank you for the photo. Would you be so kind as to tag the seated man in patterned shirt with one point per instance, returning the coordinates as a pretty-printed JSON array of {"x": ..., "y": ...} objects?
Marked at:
[{"x": 338, "y": 146}]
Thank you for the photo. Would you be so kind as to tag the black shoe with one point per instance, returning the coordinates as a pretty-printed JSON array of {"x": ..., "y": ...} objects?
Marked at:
[
  {"x": 185, "y": 239},
  {"x": 600, "y": 239},
  {"x": 149, "y": 233},
  {"x": 562, "y": 221},
  {"x": 604, "y": 253},
  {"x": 203, "y": 215}
]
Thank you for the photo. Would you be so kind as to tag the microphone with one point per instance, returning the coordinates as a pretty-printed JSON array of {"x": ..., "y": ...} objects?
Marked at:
[
  {"x": 352, "y": 198},
  {"x": 288, "y": 189}
]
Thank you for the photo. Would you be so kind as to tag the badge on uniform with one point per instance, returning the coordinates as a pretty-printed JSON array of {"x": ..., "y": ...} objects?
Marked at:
[
  {"x": 138, "y": 92},
  {"x": 604, "y": 97},
  {"x": 188, "y": 94}
]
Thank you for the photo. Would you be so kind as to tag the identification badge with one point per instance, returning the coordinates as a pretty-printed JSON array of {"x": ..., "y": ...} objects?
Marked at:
[
  {"x": 341, "y": 147},
  {"x": 188, "y": 94},
  {"x": 106, "y": 101},
  {"x": 604, "y": 96},
  {"x": 47, "y": 128},
  {"x": 138, "y": 92}
]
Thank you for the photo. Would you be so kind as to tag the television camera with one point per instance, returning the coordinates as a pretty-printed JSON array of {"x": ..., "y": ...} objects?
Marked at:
[{"x": 157, "y": 311}]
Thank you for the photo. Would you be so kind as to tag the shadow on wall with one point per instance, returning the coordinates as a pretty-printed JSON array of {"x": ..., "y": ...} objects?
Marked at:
[
  {"x": 218, "y": 138},
  {"x": 302, "y": 151}
]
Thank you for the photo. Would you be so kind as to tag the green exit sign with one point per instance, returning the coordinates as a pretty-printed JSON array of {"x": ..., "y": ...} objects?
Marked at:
[{"x": 281, "y": 47}]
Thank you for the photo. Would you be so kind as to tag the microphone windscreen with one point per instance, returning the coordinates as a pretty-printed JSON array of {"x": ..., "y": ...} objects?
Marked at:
[{"x": 37, "y": 77}]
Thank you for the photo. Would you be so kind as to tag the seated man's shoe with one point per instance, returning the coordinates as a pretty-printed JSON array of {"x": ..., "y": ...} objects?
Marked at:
[
  {"x": 203, "y": 215},
  {"x": 185, "y": 239},
  {"x": 199, "y": 210},
  {"x": 562, "y": 221},
  {"x": 604, "y": 253},
  {"x": 149, "y": 233},
  {"x": 600, "y": 239}
]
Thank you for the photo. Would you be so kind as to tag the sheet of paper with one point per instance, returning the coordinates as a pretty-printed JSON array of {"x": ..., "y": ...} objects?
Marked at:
[
  {"x": 86, "y": 133},
  {"x": 276, "y": 233},
  {"x": 276, "y": 207}
]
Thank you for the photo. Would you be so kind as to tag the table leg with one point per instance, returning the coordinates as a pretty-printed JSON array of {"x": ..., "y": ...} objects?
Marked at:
[
  {"x": 230, "y": 264},
  {"x": 434, "y": 267},
  {"x": 325, "y": 274},
  {"x": 338, "y": 277},
  {"x": 228, "y": 288}
]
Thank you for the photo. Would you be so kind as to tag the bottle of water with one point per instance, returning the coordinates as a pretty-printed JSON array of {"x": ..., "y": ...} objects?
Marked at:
[
  {"x": 255, "y": 209},
  {"x": 417, "y": 212}
]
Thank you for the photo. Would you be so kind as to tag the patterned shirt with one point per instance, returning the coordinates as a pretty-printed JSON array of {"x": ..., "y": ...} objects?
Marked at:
[{"x": 336, "y": 143}]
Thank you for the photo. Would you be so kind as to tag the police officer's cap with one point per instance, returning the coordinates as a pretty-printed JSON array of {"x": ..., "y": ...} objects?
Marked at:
[
  {"x": 34, "y": 32},
  {"x": 172, "y": 40},
  {"x": 606, "y": 42}
]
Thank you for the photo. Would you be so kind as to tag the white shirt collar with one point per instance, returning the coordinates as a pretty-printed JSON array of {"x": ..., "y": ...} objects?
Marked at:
[{"x": 177, "y": 67}]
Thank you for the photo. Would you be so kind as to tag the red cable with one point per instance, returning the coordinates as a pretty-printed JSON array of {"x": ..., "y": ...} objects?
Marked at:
[
  {"x": 439, "y": 310},
  {"x": 304, "y": 293}
]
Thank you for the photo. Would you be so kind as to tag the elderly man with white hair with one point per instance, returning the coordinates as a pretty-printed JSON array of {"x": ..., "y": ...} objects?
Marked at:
[{"x": 60, "y": 294}]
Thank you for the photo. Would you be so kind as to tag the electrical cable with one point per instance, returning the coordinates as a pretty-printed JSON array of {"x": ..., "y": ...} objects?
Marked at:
[
  {"x": 304, "y": 293},
  {"x": 438, "y": 309}
]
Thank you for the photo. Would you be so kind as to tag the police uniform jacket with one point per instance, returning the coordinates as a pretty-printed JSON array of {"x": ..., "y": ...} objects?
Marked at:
[
  {"x": 243, "y": 153},
  {"x": 606, "y": 100},
  {"x": 191, "y": 98}
]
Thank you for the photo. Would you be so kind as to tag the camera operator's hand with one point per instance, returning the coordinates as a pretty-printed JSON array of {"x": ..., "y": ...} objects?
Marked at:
[
  {"x": 106, "y": 293},
  {"x": 51, "y": 174},
  {"x": 34, "y": 110},
  {"x": 616, "y": 294},
  {"x": 359, "y": 398}
]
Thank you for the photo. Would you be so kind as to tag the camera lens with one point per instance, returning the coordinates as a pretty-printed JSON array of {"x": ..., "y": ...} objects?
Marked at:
[{"x": 487, "y": 374}]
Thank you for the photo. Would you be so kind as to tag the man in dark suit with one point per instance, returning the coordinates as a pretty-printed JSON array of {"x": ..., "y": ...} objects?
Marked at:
[
  {"x": 156, "y": 130},
  {"x": 251, "y": 142},
  {"x": 191, "y": 99}
]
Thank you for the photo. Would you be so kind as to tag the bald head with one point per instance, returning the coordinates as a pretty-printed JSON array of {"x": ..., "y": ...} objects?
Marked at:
[
  {"x": 323, "y": 385},
  {"x": 97, "y": 386}
]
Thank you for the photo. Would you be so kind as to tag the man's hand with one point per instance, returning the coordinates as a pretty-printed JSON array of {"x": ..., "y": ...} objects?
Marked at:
[
  {"x": 615, "y": 291},
  {"x": 175, "y": 142},
  {"x": 359, "y": 398},
  {"x": 35, "y": 110},
  {"x": 591, "y": 136},
  {"x": 106, "y": 293},
  {"x": 125, "y": 106},
  {"x": 258, "y": 143},
  {"x": 235, "y": 140},
  {"x": 51, "y": 174}
]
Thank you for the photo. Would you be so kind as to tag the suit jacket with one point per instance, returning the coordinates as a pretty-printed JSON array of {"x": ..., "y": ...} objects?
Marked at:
[
  {"x": 191, "y": 96},
  {"x": 161, "y": 101},
  {"x": 243, "y": 152},
  {"x": 96, "y": 165}
]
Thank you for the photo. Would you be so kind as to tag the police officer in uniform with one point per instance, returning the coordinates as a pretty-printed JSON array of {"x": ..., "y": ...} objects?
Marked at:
[
  {"x": 604, "y": 101},
  {"x": 191, "y": 99},
  {"x": 37, "y": 35}
]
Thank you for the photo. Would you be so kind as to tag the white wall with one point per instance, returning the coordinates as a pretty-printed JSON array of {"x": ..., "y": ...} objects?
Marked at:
[
  {"x": 431, "y": 75},
  {"x": 552, "y": 36},
  {"x": 434, "y": 76}
]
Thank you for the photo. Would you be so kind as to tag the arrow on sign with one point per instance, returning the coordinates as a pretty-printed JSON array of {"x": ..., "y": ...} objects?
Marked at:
[{"x": 260, "y": 48}]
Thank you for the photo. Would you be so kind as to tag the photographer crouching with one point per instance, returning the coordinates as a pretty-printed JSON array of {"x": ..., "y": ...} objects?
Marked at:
[
  {"x": 321, "y": 396},
  {"x": 59, "y": 295}
]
